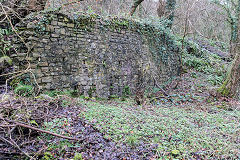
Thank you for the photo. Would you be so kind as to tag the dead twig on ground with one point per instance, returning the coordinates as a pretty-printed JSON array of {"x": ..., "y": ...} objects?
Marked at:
[
  {"x": 16, "y": 146},
  {"x": 162, "y": 90},
  {"x": 40, "y": 130},
  {"x": 42, "y": 149}
]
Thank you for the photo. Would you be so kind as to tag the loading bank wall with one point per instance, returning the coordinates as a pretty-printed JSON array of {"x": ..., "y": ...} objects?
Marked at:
[{"x": 96, "y": 56}]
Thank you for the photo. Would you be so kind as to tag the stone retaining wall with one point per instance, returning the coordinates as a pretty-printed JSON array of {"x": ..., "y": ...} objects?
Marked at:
[{"x": 95, "y": 56}]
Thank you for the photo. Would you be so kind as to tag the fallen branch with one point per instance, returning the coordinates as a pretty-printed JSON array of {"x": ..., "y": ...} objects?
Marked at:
[
  {"x": 8, "y": 125},
  {"x": 162, "y": 90},
  {"x": 40, "y": 130},
  {"x": 16, "y": 146},
  {"x": 38, "y": 152}
]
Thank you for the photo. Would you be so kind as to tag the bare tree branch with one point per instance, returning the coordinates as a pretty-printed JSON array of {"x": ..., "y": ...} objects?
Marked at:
[
  {"x": 40, "y": 130},
  {"x": 135, "y": 5}
]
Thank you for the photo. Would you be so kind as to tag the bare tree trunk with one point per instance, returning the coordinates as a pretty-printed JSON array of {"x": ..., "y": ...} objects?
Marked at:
[
  {"x": 231, "y": 86},
  {"x": 140, "y": 13},
  {"x": 36, "y": 5},
  {"x": 135, "y": 5},
  {"x": 170, "y": 8},
  {"x": 166, "y": 9},
  {"x": 161, "y": 8},
  {"x": 233, "y": 39}
]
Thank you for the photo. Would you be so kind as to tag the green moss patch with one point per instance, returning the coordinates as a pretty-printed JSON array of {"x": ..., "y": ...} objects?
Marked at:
[{"x": 6, "y": 59}]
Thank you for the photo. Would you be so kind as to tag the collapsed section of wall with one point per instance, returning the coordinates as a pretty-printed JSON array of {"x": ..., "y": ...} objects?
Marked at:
[{"x": 95, "y": 56}]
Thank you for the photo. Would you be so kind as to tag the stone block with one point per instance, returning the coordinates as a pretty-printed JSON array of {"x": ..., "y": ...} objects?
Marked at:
[
  {"x": 57, "y": 31},
  {"x": 66, "y": 19},
  {"x": 33, "y": 66},
  {"x": 47, "y": 47},
  {"x": 71, "y": 25},
  {"x": 47, "y": 86},
  {"x": 43, "y": 64},
  {"x": 44, "y": 69},
  {"x": 39, "y": 81},
  {"x": 49, "y": 28},
  {"x": 63, "y": 31},
  {"x": 31, "y": 25},
  {"x": 32, "y": 38},
  {"x": 55, "y": 35},
  {"x": 83, "y": 82},
  {"x": 54, "y": 23},
  {"x": 54, "y": 73},
  {"x": 61, "y": 24},
  {"x": 53, "y": 39},
  {"x": 47, "y": 79},
  {"x": 45, "y": 40}
]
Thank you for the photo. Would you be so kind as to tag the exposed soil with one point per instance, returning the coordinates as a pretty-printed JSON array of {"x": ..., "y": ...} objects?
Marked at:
[{"x": 92, "y": 144}]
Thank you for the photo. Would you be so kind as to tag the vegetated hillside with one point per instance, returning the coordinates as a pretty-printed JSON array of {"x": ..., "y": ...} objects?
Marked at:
[{"x": 188, "y": 123}]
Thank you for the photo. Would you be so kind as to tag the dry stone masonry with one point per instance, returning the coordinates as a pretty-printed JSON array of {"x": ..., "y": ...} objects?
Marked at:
[{"x": 98, "y": 57}]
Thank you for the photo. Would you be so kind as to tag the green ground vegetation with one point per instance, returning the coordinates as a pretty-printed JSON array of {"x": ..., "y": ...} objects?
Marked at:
[{"x": 185, "y": 130}]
